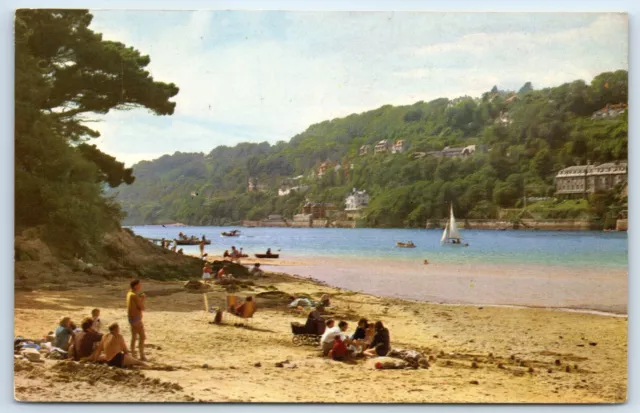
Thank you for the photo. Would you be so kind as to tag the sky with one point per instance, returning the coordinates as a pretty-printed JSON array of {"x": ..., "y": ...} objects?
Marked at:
[{"x": 255, "y": 76}]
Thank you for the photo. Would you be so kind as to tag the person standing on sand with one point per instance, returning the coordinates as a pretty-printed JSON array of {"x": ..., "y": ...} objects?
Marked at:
[
  {"x": 202, "y": 248},
  {"x": 135, "y": 307}
]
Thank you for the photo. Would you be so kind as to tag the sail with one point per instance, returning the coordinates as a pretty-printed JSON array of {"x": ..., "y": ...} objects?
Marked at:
[
  {"x": 444, "y": 234},
  {"x": 453, "y": 228}
]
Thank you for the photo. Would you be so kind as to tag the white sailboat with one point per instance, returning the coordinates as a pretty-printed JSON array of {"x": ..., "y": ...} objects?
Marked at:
[{"x": 451, "y": 234}]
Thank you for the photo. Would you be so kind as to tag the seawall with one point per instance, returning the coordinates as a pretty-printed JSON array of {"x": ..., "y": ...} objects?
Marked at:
[{"x": 489, "y": 224}]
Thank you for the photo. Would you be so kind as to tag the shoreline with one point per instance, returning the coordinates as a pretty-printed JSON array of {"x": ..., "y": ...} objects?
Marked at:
[
  {"x": 280, "y": 267},
  {"x": 589, "y": 311},
  {"x": 480, "y": 225}
]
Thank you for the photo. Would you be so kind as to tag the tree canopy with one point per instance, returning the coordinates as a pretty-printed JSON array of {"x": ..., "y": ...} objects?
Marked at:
[{"x": 64, "y": 73}]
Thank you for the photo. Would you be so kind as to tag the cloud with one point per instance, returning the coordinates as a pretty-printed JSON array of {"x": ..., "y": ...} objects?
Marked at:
[{"x": 256, "y": 76}]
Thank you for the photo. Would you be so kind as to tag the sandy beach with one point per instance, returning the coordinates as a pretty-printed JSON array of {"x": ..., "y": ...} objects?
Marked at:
[{"x": 478, "y": 354}]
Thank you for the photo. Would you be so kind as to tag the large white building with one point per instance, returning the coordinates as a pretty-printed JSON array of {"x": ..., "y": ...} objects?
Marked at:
[
  {"x": 356, "y": 200},
  {"x": 588, "y": 179}
]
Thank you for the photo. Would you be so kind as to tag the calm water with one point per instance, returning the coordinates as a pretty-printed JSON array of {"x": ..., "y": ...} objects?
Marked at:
[{"x": 593, "y": 249}]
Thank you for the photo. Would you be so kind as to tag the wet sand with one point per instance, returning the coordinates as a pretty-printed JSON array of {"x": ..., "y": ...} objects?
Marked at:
[
  {"x": 484, "y": 284},
  {"x": 520, "y": 354}
]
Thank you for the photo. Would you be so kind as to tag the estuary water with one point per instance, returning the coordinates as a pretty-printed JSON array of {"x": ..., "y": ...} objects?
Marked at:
[{"x": 570, "y": 269}]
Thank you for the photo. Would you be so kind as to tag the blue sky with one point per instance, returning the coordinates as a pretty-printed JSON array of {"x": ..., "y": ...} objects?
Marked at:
[{"x": 266, "y": 76}]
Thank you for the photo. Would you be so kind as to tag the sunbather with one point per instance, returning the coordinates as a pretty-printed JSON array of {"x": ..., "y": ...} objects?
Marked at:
[{"x": 116, "y": 353}]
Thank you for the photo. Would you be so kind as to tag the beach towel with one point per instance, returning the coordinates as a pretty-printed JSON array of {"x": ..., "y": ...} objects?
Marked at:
[
  {"x": 302, "y": 302},
  {"x": 384, "y": 363},
  {"x": 31, "y": 354}
]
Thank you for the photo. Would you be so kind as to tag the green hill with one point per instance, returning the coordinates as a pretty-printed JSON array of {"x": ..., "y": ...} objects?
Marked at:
[{"x": 527, "y": 137}]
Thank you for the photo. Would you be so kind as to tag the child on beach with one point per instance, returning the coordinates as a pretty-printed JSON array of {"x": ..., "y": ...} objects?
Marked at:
[
  {"x": 95, "y": 316},
  {"x": 339, "y": 351},
  {"x": 206, "y": 272}
]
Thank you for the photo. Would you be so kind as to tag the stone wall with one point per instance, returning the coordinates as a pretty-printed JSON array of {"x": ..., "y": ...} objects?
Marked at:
[{"x": 622, "y": 225}]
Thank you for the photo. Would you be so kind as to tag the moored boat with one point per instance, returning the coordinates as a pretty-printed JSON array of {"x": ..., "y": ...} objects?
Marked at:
[
  {"x": 267, "y": 256},
  {"x": 409, "y": 244},
  {"x": 234, "y": 233}
]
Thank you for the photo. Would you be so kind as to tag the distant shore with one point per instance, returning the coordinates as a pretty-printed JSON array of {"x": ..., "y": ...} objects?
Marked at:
[{"x": 476, "y": 224}]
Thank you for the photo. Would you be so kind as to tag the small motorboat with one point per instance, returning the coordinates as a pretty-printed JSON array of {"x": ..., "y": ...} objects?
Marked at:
[
  {"x": 409, "y": 244},
  {"x": 234, "y": 233},
  {"x": 267, "y": 256}
]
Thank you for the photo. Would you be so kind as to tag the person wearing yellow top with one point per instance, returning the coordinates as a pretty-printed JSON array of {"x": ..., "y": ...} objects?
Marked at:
[
  {"x": 115, "y": 349},
  {"x": 135, "y": 306}
]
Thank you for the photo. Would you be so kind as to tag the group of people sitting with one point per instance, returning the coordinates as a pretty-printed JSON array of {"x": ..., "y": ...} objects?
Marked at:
[
  {"x": 209, "y": 275},
  {"x": 87, "y": 343},
  {"x": 370, "y": 340}
]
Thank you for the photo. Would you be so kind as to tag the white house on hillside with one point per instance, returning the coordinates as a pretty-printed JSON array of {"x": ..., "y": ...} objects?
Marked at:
[{"x": 356, "y": 200}]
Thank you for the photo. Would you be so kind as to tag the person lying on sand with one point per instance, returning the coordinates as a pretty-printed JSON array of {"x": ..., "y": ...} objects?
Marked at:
[
  {"x": 85, "y": 345},
  {"x": 64, "y": 333},
  {"x": 380, "y": 345},
  {"x": 115, "y": 349}
]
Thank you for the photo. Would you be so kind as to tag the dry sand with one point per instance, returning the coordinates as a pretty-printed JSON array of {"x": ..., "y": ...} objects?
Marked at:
[{"x": 505, "y": 343}]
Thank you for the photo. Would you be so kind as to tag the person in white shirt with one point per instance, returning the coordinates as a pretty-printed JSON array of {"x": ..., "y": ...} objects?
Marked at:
[{"x": 330, "y": 333}]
